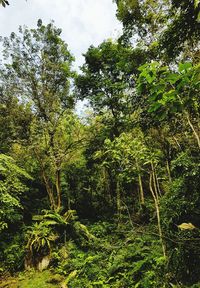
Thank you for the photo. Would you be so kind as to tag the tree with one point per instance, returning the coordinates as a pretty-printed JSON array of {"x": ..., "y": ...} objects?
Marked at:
[
  {"x": 37, "y": 71},
  {"x": 131, "y": 158},
  {"x": 107, "y": 81},
  {"x": 54, "y": 151},
  {"x": 128, "y": 152},
  {"x": 172, "y": 93},
  {"x": 167, "y": 27},
  {"x": 144, "y": 19},
  {"x": 184, "y": 30},
  {"x": 15, "y": 118}
]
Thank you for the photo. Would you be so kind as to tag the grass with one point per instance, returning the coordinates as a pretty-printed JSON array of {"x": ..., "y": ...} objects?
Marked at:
[{"x": 33, "y": 279}]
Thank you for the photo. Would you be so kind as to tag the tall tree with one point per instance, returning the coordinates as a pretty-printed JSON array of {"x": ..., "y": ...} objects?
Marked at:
[
  {"x": 107, "y": 80},
  {"x": 37, "y": 71}
]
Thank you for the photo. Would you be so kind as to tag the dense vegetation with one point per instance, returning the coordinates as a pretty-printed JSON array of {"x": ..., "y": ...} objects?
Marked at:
[{"x": 110, "y": 198}]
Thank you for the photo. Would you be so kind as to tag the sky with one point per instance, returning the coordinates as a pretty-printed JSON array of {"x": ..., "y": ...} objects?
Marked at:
[{"x": 83, "y": 22}]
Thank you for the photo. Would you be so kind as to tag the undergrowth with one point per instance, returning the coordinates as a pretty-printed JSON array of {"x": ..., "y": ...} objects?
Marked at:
[{"x": 117, "y": 257}]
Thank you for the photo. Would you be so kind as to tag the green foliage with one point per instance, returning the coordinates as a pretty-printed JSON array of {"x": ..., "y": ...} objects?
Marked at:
[
  {"x": 170, "y": 92},
  {"x": 128, "y": 150},
  {"x": 53, "y": 218},
  {"x": 46, "y": 48},
  {"x": 15, "y": 118},
  {"x": 172, "y": 96},
  {"x": 183, "y": 31},
  {"x": 35, "y": 279},
  {"x": 50, "y": 229},
  {"x": 137, "y": 148},
  {"x": 167, "y": 28},
  {"x": 39, "y": 238},
  {"x": 12, "y": 252},
  {"x": 47, "y": 72},
  {"x": 108, "y": 73},
  {"x": 11, "y": 188},
  {"x": 181, "y": 205},
  {"x": 115, "y": 259}
]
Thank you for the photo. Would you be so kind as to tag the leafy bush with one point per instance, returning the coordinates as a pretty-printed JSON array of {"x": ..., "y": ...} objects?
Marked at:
[
  {"x": 12, "y": 253},
  {"x": 11, "y": 187},
  {"x": 181, "y": 206},
  {"x": 134, "y": 260}
]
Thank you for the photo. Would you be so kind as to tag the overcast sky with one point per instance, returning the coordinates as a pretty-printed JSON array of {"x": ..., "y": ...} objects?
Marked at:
[{"x": 83, "y": 22}]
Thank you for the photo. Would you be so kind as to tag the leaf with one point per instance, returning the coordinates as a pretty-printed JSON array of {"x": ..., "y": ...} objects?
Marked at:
[
  {"x": 173, "y": 78},
  {"x": 198, "y": 17},
  {"x": 43, "y": 242},
  {"x": 149, "y": 78},
  {"x": 143, "y": 67},
  {"x": 196, "y": 3},
  {"x": 184, "y": 66},
  {"x": 168, "y": 97},
  {"x": 186, "y": 226},
  {"x": 154, "y": 107}
]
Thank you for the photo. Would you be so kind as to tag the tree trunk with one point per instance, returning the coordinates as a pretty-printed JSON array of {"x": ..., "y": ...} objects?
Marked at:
[
  {"x": 118, "y": 194},
  {"x": 49, "y": 191},
  {"x": 105, "y": 179},
  {"x": 187, "y": 115},
  {"x": 46, "y": 182},
  {"x": 193, "y": 129},
  {"x": 177, "y": 143},
  {"x": 156, "y": 202},
  {"x": 141, "y": 189},
  {"x": 168, "y": 171},
  {"x": 140, "y": 184},
  {"x": 158, "y": 185},
  {"x": 58, "y": 189},
  {"x": 154, "y": 181}
]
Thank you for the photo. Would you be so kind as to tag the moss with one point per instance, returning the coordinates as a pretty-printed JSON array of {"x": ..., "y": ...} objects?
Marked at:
[{"x": 33, "y": 279}]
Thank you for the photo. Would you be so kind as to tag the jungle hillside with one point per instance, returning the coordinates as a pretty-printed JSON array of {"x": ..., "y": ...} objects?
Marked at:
[{"x": 109, "y": 197}]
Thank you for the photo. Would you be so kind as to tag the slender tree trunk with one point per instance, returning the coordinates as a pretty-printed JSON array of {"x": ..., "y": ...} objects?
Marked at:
[
  {"x": 177, "y": 143},
  {"x": 168, "y": 171},
  {"x": 186, "y": 113},
  {"x": 46, "y": 182},
  {"x": 112, "y": 185},
  {"x": 118, "y": 194},
  {"x": 154, "y": 181},
  {"x": 106, "y": 185},
  {"x": 156, "y": 202},
  {"x": 193, "y": 129},
  {"x": 140, "y": 184},
  {"x": 49, "y": 191},
  {"x": 158, "y": 185},
  {"x": 141, "y": 189},
  {"x": 58, "y": 189}
]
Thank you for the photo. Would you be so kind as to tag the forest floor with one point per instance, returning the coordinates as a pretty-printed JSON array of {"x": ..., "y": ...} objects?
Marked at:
[{"x": 32, "y": 279}]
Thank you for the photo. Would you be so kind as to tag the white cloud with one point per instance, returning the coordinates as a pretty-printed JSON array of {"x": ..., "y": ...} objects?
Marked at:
[{"x": 84, "y": 22}]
